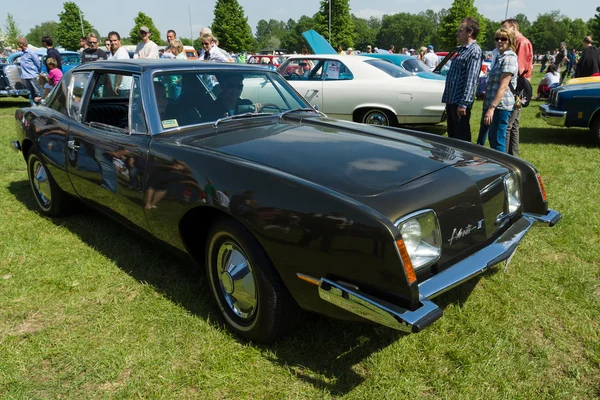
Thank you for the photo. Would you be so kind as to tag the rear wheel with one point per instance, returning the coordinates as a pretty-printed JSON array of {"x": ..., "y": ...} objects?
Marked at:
[
  {"x": 51, "y": 200},
  {"x": 249, "y": 292},
  {"x": 378, "y": 117}
]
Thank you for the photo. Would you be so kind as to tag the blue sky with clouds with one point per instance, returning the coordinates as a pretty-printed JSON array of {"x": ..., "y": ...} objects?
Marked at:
[{"x": 107, "y": 15}]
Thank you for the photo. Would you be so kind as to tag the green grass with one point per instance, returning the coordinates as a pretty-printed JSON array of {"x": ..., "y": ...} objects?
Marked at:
[{"x": 88, "y": 310}]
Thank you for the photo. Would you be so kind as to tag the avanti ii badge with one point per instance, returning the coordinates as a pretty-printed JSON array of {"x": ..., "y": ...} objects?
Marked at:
[{"x": 460, "y": 233}]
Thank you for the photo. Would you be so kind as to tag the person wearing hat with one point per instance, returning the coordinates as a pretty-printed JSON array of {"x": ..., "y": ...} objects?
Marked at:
[
  {"x": 430, "y": 58},
  {"x": 589, "y": 62},
  {"x": 369, "y": 49},
  {"x": 146, "y": 48}
]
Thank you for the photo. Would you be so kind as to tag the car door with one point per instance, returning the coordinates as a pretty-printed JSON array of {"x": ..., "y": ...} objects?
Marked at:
[
  {"x": 108, "y": 146},
  {"x": 310, "y": 84},
  {"x": 339, "y": 94}
]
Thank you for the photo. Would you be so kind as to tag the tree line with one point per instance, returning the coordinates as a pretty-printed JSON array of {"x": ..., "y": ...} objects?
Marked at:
[{"x": 408, "y": 30}]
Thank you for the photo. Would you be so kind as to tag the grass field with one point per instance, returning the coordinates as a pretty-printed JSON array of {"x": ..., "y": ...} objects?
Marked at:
[{"x": 89, "y": 310}]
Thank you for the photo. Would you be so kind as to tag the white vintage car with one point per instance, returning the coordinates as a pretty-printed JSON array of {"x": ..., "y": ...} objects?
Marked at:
[{"x": 364, "y": 89}]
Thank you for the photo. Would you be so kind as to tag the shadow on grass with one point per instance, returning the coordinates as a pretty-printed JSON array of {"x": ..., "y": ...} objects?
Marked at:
[
  {"x": 322, "y": 352},
  {"x": 13, "y": 102},
  {"x": 579, "y": 137}
]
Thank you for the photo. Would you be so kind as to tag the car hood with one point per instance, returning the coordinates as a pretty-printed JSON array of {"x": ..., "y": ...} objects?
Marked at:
[
  {"x": 579, "y": 86},
  {"x": 357, "y": 160}
]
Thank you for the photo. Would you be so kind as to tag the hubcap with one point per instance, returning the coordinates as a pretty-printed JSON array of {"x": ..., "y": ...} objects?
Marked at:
[
  {"x": 236, "y": 280},
  {"x": 376, "y": 118},
  {"x": 41, "y": 184}
]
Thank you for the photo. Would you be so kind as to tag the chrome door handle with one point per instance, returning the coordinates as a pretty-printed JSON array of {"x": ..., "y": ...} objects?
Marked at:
[{"x": 71, "y": 144}]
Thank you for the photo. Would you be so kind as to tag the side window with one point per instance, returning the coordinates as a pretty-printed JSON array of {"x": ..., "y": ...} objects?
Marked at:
[
  {"x": 77, "y": 87},
  {"x": 337, "y": 71},
  {"x": 57, "y": 98}
]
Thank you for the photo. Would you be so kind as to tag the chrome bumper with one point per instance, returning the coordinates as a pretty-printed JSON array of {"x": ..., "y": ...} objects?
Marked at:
[
  {"x": 14, "y": 92},
  {"x": 15, "y": 145},
  {"x": 396, "y": 317},
  {"x": 553, "y": 116}
]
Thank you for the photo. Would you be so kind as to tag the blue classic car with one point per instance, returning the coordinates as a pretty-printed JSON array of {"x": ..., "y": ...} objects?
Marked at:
[
  {"x": 576, "y": 105},
  {"x": 70, "y": 59}
]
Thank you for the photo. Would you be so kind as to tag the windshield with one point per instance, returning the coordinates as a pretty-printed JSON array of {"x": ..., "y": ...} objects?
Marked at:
[
  {"x": 196, "y": 97},
  {"x": 389, "y": 68}
]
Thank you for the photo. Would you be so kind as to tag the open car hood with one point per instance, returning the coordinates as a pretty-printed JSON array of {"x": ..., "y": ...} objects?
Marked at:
[
  {"x": 341, "y": 159},
  {"x": 317, "y": 43}
]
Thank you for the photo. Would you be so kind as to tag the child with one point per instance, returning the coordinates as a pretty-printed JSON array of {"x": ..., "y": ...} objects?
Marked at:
[
  {"x": 54, "y": 73},
  {"x": 43, "y": 81}
]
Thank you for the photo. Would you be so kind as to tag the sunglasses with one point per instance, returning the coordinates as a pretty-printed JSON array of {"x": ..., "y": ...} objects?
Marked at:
[
  {"x": 206, "y": 43},
  {"x": 90, "y": 42},
  {"x": 232, "y": 86},
  {"x": 501, "y": 39}
]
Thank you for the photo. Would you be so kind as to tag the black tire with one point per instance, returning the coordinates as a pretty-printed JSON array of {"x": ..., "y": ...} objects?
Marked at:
[
  {"x": 51, "y": 200},
  {"x": 249, "y": 292},
  {"x": 376, "y": 116},
  {"x": 595, "y": 130}
]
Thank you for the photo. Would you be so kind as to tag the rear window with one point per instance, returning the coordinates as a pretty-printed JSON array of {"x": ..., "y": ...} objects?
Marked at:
[{"x": 389, "y": 68}]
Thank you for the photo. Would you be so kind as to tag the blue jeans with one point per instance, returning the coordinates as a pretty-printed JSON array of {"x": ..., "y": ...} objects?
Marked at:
[
  {"x": 497, "y": 129},
  {"x": 483, "y": 131}
]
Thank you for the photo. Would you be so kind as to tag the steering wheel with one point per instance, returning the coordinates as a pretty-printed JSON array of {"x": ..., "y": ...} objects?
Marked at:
[
  {"x": 294, "y": 76},
  {"x": 268, "y": 105}
]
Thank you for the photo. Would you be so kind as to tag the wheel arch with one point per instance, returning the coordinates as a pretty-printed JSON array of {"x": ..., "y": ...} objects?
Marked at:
[{"x": 358, "y": 113}]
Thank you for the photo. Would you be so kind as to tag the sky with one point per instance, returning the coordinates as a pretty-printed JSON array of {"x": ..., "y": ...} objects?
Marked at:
[{"x": 108, "y": 15}]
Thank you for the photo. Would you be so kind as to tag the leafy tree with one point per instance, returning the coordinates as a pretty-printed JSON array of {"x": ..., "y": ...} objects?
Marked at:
[
  {"x": 451, "y": 22},
  {"x": 577, "y": 29},
  {"x": 435, "y": 18},
  {"x": 144, "y": 20},
  {"x": 293, "y": 39},
  {"x": 68, "y": 31},
  {"x": 594, "y": 25},
  {"x": 547, "y": 31},
  {"x": 11, "y": 32},
  {"x": 342, "y": 27},
  {"x": 231, "y": 27},
  {"x": 270, "y": 34},
  {"x": 36, "y": 33},
  {"x": 365, "y": 31},
  {"x": 405, "y": 30},
  {"x": 186, "y": 41}
]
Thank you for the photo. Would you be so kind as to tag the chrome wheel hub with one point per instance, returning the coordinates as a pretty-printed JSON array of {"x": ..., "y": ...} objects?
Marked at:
[
  {"x": 41, "y": 184},
  {"x": 236, "y": 280},
  {"x": 376, "y": 119}
]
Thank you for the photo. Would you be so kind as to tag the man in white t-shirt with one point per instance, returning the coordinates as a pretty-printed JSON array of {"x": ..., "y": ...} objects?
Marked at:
[
  {"x": 146, "y": 48},
  {"x": 430, "y": 58},
  {"x": 122, "y": 84}
]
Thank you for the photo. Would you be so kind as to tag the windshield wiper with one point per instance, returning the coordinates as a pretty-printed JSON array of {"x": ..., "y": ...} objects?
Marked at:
[
  {"x": 307, "y": 109},
  {"x": 239, "y": 116}
]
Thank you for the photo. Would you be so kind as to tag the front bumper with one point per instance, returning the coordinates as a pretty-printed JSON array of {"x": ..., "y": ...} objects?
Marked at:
[
  {"x": 553, "y": 116},
  {"x": 14, "y": 92},
  {"x": 396, "y": 317}
]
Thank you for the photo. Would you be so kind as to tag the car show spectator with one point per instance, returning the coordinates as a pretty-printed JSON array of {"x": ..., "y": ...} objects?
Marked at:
[
  {"x": 171, "y": 35},
  {"x": 176, "y": 48},
  {"x": 30, "y": 70},
  {"x": 499, "y": 101},
  {"x": 562, "y": 59},
  {"x": 54, "y": 73},
  {"x": 121, "y": 84},
  {"x": 459, "y": 90},
  {"x": 524, "y": 51},
  {"x": 92, "y": 53},
  {"x": 210, "y": 51},
  {"x": 146, "y": 48},
  {"x": 51, "y": 52},
  {"x": 550, "y": 80},
  {"x": 430, "y": 58},
  {"x": 589, "y": 62},
  {"x": 107, "y": 44},
  {"x": 83, "y": 44},
  {"x": 369, "y": 49}
]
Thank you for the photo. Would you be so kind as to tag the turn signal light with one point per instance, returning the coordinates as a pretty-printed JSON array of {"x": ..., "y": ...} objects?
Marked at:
[
  {"x": 410, "y": 272},
  {"x": 541, "y": 184}
]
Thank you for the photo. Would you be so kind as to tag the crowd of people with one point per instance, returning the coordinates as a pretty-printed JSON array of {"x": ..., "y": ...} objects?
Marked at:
[{"x": 512, "y": 57}]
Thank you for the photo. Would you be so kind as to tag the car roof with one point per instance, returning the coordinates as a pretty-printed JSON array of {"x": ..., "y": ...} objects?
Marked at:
[{"x": 143, "y": 65}]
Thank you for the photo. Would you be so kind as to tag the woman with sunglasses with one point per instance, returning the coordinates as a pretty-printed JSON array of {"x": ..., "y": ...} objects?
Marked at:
[{"x": 499, "y": 99}]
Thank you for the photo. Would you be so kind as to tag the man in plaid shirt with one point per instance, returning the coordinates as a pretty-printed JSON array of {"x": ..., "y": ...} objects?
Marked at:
[{"x": 459, "y": 92}]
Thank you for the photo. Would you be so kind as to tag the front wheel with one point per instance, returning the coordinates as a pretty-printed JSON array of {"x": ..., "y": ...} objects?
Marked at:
[
  {"x": 249, "y": 292},
  {"x": 49, "y": 197},
  {"x": 378, "y": 117}
]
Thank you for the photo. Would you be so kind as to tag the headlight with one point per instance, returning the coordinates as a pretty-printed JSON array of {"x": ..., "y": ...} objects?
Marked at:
[
  {"x": 513, "y": 193},
  {"x": 422, "y": 238}
]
